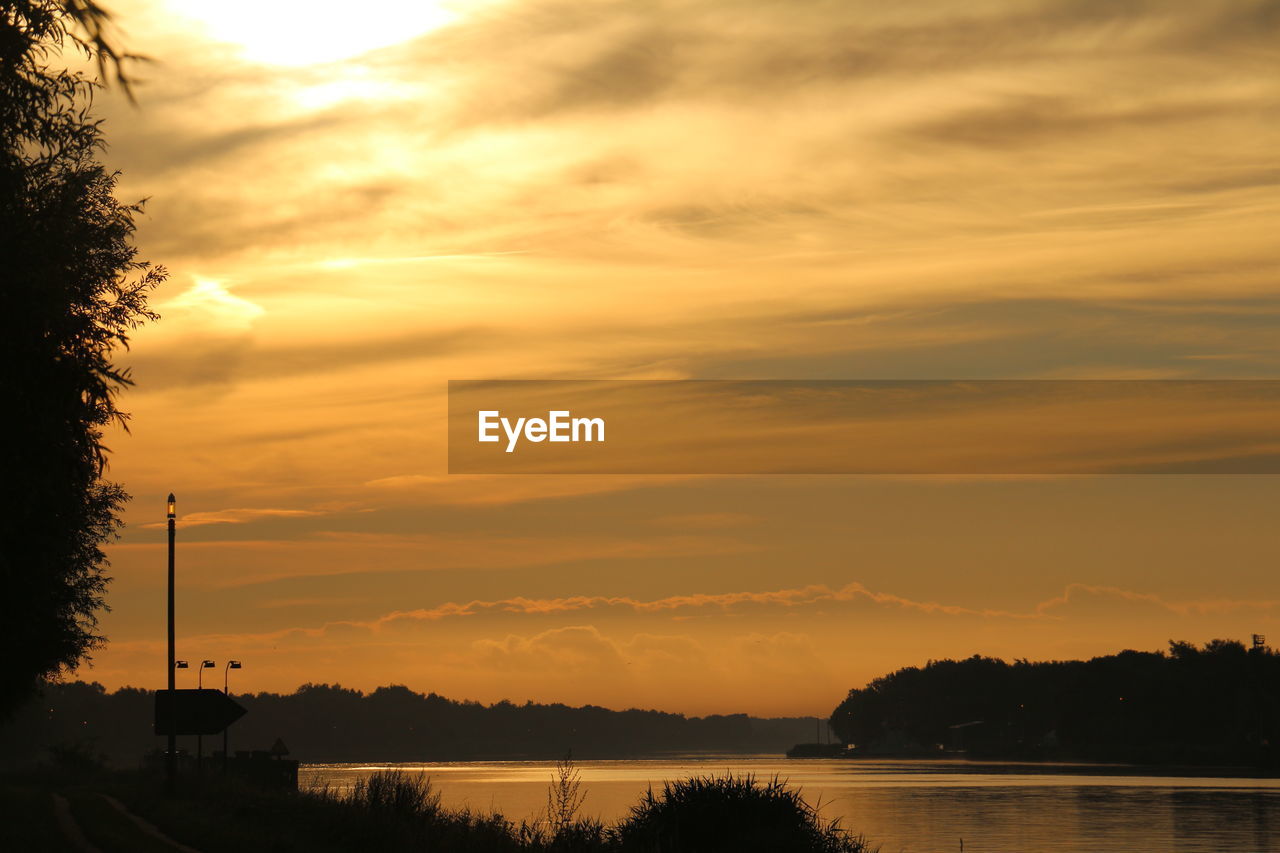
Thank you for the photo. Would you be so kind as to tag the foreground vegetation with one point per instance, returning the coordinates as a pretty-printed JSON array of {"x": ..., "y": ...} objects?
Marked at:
[
  {"x": 395, "y": 811},
  {"x": 74, "y": 291}
]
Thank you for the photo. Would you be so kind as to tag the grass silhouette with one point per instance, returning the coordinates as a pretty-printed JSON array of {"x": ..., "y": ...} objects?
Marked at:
[
  {"x": 396, "y": 811},
  {"x": 729, "y": 813}
]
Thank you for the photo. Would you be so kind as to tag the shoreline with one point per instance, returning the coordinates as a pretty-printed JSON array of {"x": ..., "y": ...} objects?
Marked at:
[{"x": 1046, "y": 767}]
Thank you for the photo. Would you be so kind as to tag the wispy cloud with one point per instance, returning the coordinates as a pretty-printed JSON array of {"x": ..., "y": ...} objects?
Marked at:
[
  {"x": 1075, "y": 600},
  {"x": 239, "y": 516}
]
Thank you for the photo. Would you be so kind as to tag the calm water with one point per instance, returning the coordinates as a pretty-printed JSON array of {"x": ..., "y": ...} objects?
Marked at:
[{"x": 915, "y": 806}]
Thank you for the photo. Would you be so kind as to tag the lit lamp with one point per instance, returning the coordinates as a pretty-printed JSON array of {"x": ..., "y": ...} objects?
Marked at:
[
  {"x": 203, "y": 666},
  {"x": 171, "y": 753}
]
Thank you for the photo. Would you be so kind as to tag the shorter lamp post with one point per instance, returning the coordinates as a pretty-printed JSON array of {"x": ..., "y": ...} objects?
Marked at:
[
  {"x": 208, "y": 664},
  {"x": 172, "y": 757},
  {"x": 231, "y": 664}
]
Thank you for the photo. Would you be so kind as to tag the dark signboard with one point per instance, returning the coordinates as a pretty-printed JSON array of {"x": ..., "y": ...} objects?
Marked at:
[{"x": 195, "y": 712}]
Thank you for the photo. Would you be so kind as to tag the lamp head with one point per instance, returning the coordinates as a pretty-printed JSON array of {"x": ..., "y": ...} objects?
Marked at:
[
  {"x": 207, "y": 664},
  {"x": 179, "y": 664},
  {"x": 235, "y": 664},
  {"x": 172, "y": 504}
]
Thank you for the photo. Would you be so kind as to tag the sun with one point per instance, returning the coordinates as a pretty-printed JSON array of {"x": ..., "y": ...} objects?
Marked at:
[{"x": 295, "y": 33}]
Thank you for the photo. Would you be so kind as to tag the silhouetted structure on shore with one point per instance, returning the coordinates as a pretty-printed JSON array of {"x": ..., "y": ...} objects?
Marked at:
[{"x": 263, "y": 767}]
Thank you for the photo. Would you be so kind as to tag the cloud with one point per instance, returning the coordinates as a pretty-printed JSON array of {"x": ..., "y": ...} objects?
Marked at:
[
  {"x": 706, "y": 189},
  {"x": 861, "y": 155},
  {"x": 239, "y": 516},
  {"x": 622, "y": 55},
  {"x": 190, "y": 364},
  {"x": 808, "y": 599},
  {"x": 492, "y": 100},
  {"x": 1079, "y": 601},
  {"x": 209, "y": 302},
  {"x": 578, "y": 648}
]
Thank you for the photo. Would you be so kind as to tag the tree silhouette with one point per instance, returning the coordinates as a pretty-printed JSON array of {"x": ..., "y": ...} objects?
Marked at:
[
  {"x": 1219, "y": 703},
  {"x": 322, "y": 722},
  {"x": 72, "y": 290}
]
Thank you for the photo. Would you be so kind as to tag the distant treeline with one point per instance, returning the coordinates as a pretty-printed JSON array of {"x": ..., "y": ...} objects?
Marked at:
[
  {"x": 1219, "y": 704},
  {"x": 323, "y": 723}
]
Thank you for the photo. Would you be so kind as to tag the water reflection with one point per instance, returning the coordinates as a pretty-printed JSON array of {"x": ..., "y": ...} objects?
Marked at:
[{"x": 920, "y": 807}]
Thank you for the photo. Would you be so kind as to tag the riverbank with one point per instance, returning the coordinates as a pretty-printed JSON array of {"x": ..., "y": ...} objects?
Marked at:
[{"x": 1047, "y": 766}]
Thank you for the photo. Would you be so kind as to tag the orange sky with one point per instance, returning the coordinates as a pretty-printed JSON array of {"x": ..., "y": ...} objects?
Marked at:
[{"x": 357, "y": 208}]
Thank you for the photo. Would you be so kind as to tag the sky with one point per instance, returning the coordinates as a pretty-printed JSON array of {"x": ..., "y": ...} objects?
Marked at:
[{"x": 358, "y": 205}]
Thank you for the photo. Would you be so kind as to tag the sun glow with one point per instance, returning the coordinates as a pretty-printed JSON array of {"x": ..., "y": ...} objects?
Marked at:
[
  {"x": 211, "y": 303},
  {"x": 291, "y": 32}
]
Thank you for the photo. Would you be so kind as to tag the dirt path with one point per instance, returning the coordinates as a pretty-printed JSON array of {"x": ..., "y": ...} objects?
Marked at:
[
  {"x": 146, "y": 826},
  {"x": 70, "y": 829},
  {"x": 100, "y": 823}
]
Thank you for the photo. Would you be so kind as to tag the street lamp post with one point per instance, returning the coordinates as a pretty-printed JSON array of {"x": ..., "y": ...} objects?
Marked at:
[
  {"x": 231, "y": 664},
  {"x": 171, "y": 757},
  {"x": 208, "y": 664}
]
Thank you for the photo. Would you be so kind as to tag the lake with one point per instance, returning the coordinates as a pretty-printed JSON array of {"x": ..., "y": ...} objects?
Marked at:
[{"x": 914, "y": 806}]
